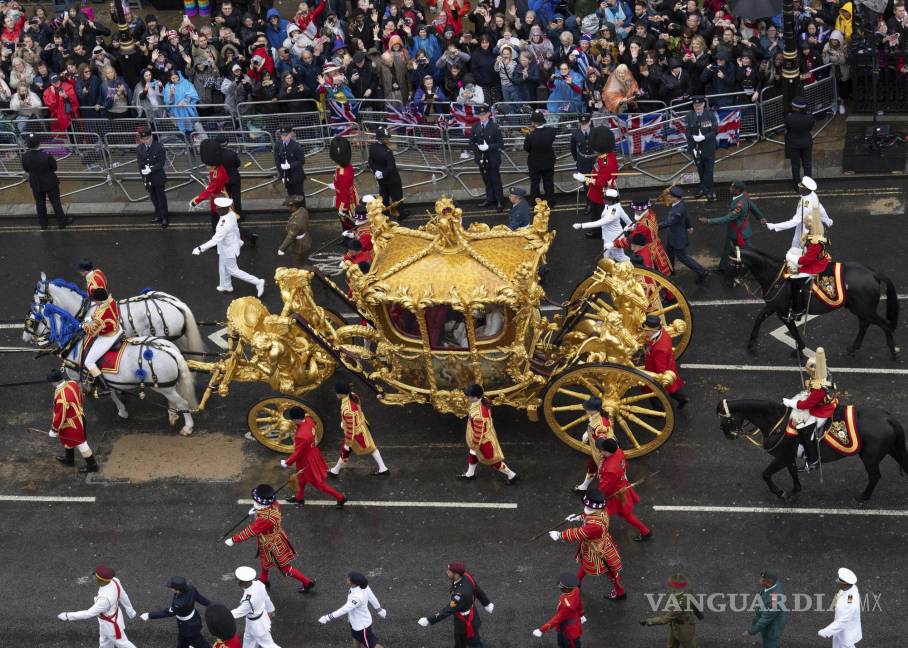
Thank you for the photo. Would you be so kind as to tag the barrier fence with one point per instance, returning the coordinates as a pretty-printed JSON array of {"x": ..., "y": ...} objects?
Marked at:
[{"x": 431, "y": 141}]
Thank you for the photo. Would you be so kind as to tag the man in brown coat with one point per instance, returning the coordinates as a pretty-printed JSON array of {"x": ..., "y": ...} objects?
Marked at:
[{"x": 298, "y": 240}]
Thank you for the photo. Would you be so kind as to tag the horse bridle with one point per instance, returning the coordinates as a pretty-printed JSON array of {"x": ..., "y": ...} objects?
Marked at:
[
  {"x": 741, "y": 271},
  {"x": 734, "y": 432},
  {"x": 34, "y": 315}
]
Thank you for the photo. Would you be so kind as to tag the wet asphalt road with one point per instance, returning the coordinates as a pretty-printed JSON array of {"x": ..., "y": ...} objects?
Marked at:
[{"x": 151, "y": 531}]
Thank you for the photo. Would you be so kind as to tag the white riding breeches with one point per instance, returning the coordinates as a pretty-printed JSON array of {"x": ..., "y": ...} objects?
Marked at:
[
  {"x": 98, "y": 348},
  {"x": 228, "y": 268}
]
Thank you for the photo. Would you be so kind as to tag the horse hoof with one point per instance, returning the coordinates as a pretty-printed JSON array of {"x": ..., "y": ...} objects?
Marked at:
[
  {"x": 186, "y": 431},
  {"x": 752, "y": 349},
  {"x": 172, "y": 421},
  {"x": 850, "y": 351},
  {"x": 861, "y": 499},
  {"x": 896, "y": 353}
]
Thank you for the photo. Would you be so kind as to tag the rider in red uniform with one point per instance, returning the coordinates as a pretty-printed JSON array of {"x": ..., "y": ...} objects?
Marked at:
[
  {"x": 820, "y": 402},
  {"x": 805, "y": 263},
  {"x": 94, "y": 278},
  {"x": 568, "y": 619},
  {"x": 620, "y": 496},
  {"x": 307, "y": 459},
  {"x": 102, "y": 331},
  {"x": 660, "y": 357}
]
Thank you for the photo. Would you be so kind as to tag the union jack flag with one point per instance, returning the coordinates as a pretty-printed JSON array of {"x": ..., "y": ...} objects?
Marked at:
[
  {"x": 342, "y": 115},
  {"x": 640, "y": 134},
  {"x": 729, "y": 127},
  {"x": 407, "y": 115},
  {"x": 462, "y": 116}
]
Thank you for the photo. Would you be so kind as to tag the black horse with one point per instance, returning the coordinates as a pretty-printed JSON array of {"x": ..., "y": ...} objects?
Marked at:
[
  {"x": 862, "y": 298},
  {"x": 879, "y": 433}
]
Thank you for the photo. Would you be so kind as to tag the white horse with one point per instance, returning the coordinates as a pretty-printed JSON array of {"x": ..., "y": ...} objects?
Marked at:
[
  {"x": 154, "y": 313},
  {"x": 146, "y": 363}
]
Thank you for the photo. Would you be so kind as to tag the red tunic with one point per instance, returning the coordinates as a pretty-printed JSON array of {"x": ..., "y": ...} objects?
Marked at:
[
  {"x": 69, "y": 418},
  {"x": 355, "y": 258},
  {"x": 819, "y": 403},
  {"x": 567, "y": 616},
  {"x": 597, "y": 552},
  {"x": 105, "y": 320},
  {"x": 613, "y": 478},
  {"x": 345, "y": 196},
  {"x": 235, "y": 642},
  {"x": 306, "y": 455},
  {"x": 274, "y": 546},
  {"x": 814, "y": 260},
  {"x": 660, "y": 358},
  {"x": 95, "y": 279},
  {"x": 606, "y": 168},
  {"x": 364, "y": 234},
  {"x": 217, "y": 186},
  {"x": 648, "y": 226}
]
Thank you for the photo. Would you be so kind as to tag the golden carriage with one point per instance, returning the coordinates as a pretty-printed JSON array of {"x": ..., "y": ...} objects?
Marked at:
[{"x": 443, "y": 306}]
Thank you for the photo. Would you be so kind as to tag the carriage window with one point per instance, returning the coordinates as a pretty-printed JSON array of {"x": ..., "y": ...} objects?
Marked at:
[
  {"x": 447, "y": 329},
  {"x": 403, "y": 320},
  {"x": 488, "y": 322}
]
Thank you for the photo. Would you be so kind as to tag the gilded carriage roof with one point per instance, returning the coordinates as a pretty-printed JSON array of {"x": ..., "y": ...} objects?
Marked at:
[{"x": 442, "y": 262}]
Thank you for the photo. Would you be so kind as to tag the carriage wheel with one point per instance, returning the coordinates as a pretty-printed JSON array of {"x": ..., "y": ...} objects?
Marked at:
[
  {"x": 669, "y": 311},
  {"x": 269, "y": 427},
  {"x": 639, "y": 410}
]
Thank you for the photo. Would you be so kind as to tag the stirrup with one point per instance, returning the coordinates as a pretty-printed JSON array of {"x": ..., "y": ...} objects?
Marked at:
[{"x": 809, "y": 467}]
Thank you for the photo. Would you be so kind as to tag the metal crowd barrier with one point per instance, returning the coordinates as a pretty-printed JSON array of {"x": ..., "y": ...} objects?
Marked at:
[{"x": 821, "y": 95}]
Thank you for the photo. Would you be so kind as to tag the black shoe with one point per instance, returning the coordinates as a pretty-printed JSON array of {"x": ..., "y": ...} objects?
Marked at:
[
  {"x": 165, "y": 223},
  {"x": 681, "y": 403},
  {"x": 701, "y": 278},
  {"x": 333, "y": 475},
  {"x": 487, "y": 203},
  {"x": 305, "y": 589},
  {"x": 700, "y": 194},
  {"x": 65, "y": 460},
  {"x": 578, "y": 491},
  {"x": 62, "y": 225},
  {"x": 710, "y": 198},
  {"x": 499, "y": 206},
  {"x": 253, "y": 239},
  {"x": 512, "y": 480},
  {"x": 101, "y": 386},
  {"x": 381, "y": 473},
  {"x": 156, "y": 219},
  {"x": 341, "y": 502},
  {"x": 466, "y": 477},
  {"x": 90, "y": 466},
  {"x": 43, "y": 227},
  {"x": 293, "y": 500},
  {"x": 643, "y": 538}
]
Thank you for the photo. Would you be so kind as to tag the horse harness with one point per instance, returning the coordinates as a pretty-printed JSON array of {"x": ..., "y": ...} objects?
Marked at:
[{"x": 755, "y": 429}]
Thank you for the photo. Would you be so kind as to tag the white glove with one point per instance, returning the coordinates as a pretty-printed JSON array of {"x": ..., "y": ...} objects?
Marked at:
[
  {"x": 331, "y": 186},
  {"x": 582, "y": 620},
  {"x": 490, "y": 608},
  {"x": 144, "y": 616},
  {"x": 283, "y": 463},
  {"x": 424, "y": 622},
  {"x": 579, "y": 177},
  {"x": 555, "y": 535},
  {"x": 483, "y": 147},
  {"x": 192, "y": 205},
  {"x": 789, "y": 402},
  {"x": 577, "y": 226},
  {"x": 699, "y": 138},
  {"x": 771, "y": 227},
  {"x": 573, "y": 517},
  {"x": 537, "y": 633},
  {"x": 324, "y": 619},
  {"x": 62, "y": 616},
  {"x": 586, "y": 437},
  {"x": 229, "y": 542},
  {"x": 824, "y": 633},
  {"x": 285, "y": 165},
  {"x": 830, "y": 223},
  {"x": 251, "y": 511},
  {"x": 280, "y": 253},
  {"x": 196, "y": 251},
  {"x": 343, "y": 264},
  {"x": 145, "y": 170},
  {"x": 609, "y": 245},
  {"x": 348, "y": 233},
  {"x": 382, "y": 613},
  {"x": 52, "y": 434},
  {"x": 379, "y": 175}
]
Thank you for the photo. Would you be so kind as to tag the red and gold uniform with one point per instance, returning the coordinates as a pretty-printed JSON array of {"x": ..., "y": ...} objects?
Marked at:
[
  {"x": 364, "y": 234},
  {"x": 653, "y": 255},
  {"x": 598, "y": 427},
  {"x": 482, "y": 439},
  {"x": 820, "y": 402},
  {"x": 95, "y": 279},
  {"x": 606, "y": 168},
  {"x": 814, "y": 260},
  {"x": 235, "y": 642},
  {"x": 567, "y": 620},
  {"x": 69, "y": 415},
  {"x": 620, "y": 497},
  {"x": 309, "y": 463},
  {"x": 660, "y": 357},
  {"x": 357, "y": 436},
  {"x": 596, "y": 553},
  {"x": 217, "y": 186},
  {"x": 274, "y": 548},
  {"x": 345, "y": 195},
  {"x": 104, "y": 320}
]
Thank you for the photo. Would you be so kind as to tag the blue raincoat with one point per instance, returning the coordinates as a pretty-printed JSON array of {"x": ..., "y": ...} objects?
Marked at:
[{"x": 182, "y": 105}]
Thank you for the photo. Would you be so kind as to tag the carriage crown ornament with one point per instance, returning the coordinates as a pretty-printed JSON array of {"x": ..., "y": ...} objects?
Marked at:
[{"x": 444, "y": 306}]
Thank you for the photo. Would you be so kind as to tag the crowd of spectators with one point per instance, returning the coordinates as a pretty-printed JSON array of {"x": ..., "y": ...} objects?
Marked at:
[{"x": 582, "y": 56}]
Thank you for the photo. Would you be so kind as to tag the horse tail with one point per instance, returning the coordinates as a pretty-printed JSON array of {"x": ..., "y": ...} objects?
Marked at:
[
  {"x": 892, "y": 300},
  {"x": 191, "y": 334},
  {"x": 185, "y": 383},
  {"x": 899, "y": 452}
]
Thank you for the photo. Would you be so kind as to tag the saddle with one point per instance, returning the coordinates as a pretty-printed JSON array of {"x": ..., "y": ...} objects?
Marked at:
[
  {"x": 841, "y": 433},
  {"x": 110, "y": 361}
]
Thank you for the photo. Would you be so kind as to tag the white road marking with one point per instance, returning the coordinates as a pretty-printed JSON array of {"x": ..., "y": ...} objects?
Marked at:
[
  {"x": 10, "y": 326},
  {"x": 219, "y": 338},
  {"x": 781, "y": 334},
  {"x": 838, "y": 370},
  {"x": 407, "y": 504},
  {"x": 781, "y": 511},
  {"x": 44, "y": 498},
  {"x": 5, "y": 349}
]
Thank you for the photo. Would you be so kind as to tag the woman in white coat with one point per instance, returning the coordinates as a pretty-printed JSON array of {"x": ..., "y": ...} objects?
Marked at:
[
  {"x": 227, "y": 239},
  {"x": 356, "y": 608}
]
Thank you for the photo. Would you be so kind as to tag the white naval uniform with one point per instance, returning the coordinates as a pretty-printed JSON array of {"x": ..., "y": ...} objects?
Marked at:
[
  {"x": 107, "y": 606},
  {"x": 805, "y": 206},
  {"x": 255, "y": 606},
  {"x": 613, "y": 221},
  {"x": 227, "y": 238},
  {"x": 357, "y": 607},
  {"x": 845, "y": 628}
]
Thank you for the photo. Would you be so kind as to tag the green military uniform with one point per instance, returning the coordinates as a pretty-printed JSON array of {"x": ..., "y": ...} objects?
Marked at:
[
  {"x": 769, "y": 621},
  {"x": 738, "y": 225},
  {"x": 681, "y": 618}
]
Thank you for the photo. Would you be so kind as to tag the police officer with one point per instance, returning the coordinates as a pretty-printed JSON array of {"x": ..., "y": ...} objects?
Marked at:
[
  {"x": 520, "y": 209},
  {"x": 679, "y": 615},
  {"x": 381, "y": 161},
  {"x": 486, "y": 140},
  {"x": 539, "y": 145},
  {"x": 769, "y": 618},
  {"x": 798, "y": 140},
  {"x": 289, "y": 159},
  {"x": 465, "y": 591},
  {"x": 41, "y": 168},
  {"x": 189, "y": 622},
  {"x": 150, "y": 157},
  {"x": 701, "y": 128},
  {"x": 679, "y": 226},
  {"x": 583, "y": 154}
]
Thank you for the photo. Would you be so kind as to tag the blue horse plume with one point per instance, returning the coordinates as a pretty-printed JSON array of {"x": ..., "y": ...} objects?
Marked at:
[{"x": 61, "y": 325}]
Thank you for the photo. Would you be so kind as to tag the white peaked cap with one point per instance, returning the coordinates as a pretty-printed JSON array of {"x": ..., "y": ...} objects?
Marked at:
[
  {"x": 222, "y": 201},
  {"x": 809, "y": 183},
  {"x": 847, "y": 576},
  {"x": 245, "y": 574}
]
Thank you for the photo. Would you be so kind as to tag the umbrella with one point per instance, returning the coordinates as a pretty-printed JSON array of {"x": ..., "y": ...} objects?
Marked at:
[{"x": 755, "y": 8}]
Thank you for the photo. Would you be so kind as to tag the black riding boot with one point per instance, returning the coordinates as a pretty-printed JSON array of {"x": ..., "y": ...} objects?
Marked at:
[
  {"x": 805, "y": 435},
  {"x": 797, "y": 298},
  {"x": 101, "y": 386},
  {"x": 68, "y": 458},
  {"x": 91, "y": 465}
]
